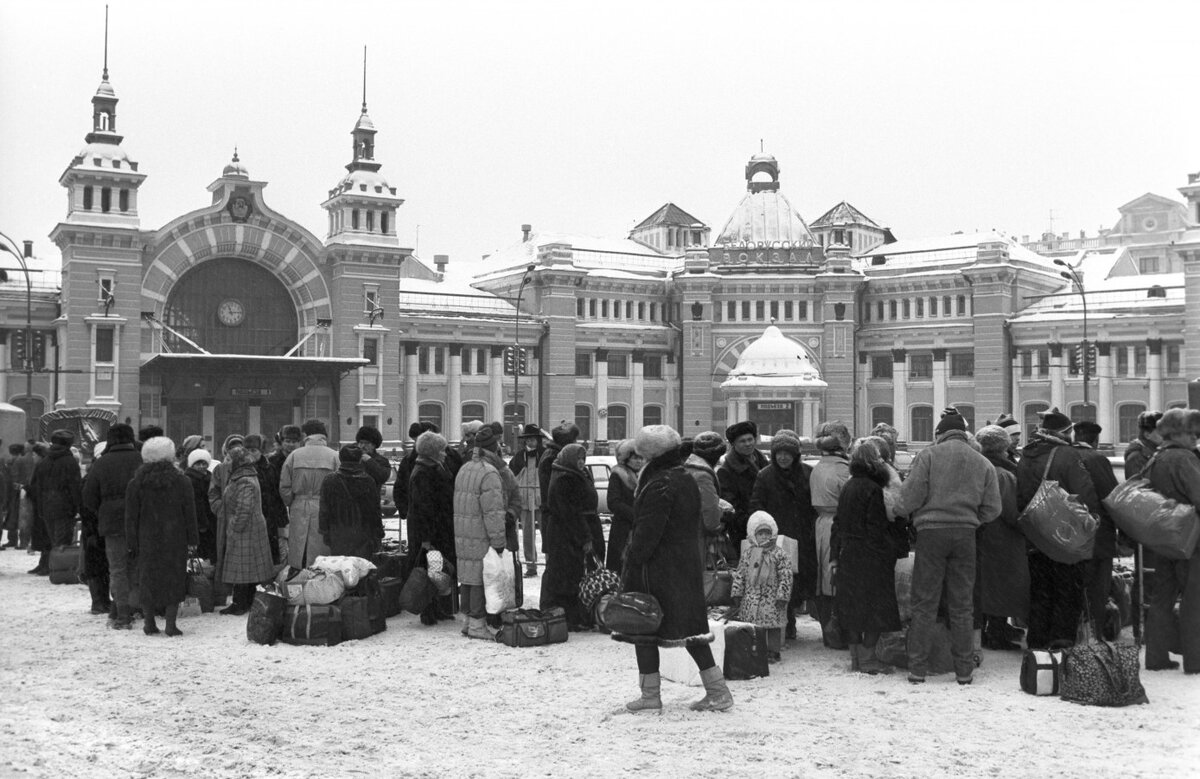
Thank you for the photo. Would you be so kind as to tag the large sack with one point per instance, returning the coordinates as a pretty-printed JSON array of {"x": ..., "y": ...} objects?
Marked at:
[
  {"x": 1165, "y": 526},
  {"x": 313, "y": 587},
  {"x": 265, "y": 621},
  {"x": 351, "y": 569},
  {"x": 499, "y": 583}
]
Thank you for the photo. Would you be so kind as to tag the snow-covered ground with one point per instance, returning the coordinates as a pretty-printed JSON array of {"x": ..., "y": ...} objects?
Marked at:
[{"x": 79, "y": 700}]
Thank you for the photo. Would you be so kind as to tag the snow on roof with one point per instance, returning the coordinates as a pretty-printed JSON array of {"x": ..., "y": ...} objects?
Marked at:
[
  {"x": 588, "y": 252},
  {"x": 765, "y": 217},
  {"x": 956, "y": 249},
  {"x": 670, "y": 214},
  {"x": 451, "y": 295},
  {"x": 843, "y": 213}
]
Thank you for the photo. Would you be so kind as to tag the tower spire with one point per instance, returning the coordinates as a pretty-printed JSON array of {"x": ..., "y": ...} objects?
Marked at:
[
  {"x": 364, "y": 106},
  {"x": 105, "y": 74}
]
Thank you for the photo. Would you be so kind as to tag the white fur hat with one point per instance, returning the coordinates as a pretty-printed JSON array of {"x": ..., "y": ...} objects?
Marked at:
[
  {"x": 198, "y": 454},
  {"x": 158, "y": 449},
  {"x": 654, "y": 440},
  {"x": 758, "y": 520}
]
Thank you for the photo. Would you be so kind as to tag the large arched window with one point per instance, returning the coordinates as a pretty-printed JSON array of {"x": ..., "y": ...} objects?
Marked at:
[
  {"x": 1032, "y": 420},
  {"x": 1127, "y": 416},
  {"x": 921, "y": 428},
  {"x": 472, "y": 412},
  {"x": 432, "y": 412},
  {"x": 231, "y": 306},
  {"x": 618, "y": 423},
  {"x": 1081, "y": 413},
  {"x": 651, "y": 415},
  {"x": 881, "y": 415}
]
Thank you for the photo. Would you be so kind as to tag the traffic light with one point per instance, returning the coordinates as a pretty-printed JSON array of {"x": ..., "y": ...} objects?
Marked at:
[
  {"x": 521, "y": 365},
  {"x": 1090, "y": 357},
  {"x": 514, "y": 361}
]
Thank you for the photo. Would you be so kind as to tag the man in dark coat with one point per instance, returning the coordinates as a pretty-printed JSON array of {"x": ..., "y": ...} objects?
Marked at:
[
  {"x": 287, "y": 441},
  {"x": 1055, "y": 589},
  {"x": 737, "y": 476},
  {"x": 368, "y": 440},
  {"x": 54, "y": 490},
  {"x": 781, "y": 489},
  {"x": 1097, "y": 572},
  {"x": 404, "y": 469},
  {"x": 349, "y": 516},
  {"x": 665, "y": 559},
  {"x": 565, "y": 433},
  {"x": 104, "y": 496},
  {"x": 431, "y": 512},
  {"x": 1142, "y": 448},
  {"x": 20, "y": 471}
]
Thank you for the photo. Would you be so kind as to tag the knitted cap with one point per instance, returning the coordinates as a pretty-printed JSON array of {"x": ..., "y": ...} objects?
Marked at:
[
  {"x": 709, "y": 445},
  {"x": 785, "y": 441},
  {"x": 486, "y": 439},
  {"x": 951, "y": 420}
]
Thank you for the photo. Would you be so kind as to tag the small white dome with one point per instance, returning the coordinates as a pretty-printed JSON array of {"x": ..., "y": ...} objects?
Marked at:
[
  {"x": 777, "y": 360},
  {"x": 103, "y": 151},
  {"x": 357, "y": 179}
]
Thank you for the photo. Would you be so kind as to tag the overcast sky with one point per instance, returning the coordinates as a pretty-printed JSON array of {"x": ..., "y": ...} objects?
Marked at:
[{"x": 586, "y": 117}]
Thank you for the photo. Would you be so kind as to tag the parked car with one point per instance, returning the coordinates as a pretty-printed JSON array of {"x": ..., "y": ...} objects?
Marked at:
[
  {"x": 600, "y": 465},
  {"x": 385, "y": 498}
]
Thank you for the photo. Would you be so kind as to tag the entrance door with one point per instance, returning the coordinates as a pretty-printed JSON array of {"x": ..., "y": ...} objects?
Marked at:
[
  {"x": 231, "y": 416},
  {"x": 183, "y": 420},
  {"x": 772, "y": 417},
  {"x": 275, "y": 414}
]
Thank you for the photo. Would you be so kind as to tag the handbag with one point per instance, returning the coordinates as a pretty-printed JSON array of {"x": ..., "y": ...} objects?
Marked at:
[
  {"x": 1057, "y": 523},
  {"x": 718, "y": 579},
  {"x": 897, "y": 534},
  {"x": 199, "y": 586},
  {"x": 596, "y": 582},
  {"x": 1101, "y": 673},
  {"x": 417, "y": 592},
  {"x": 632, "y": 613},
  {"x": 1165, "y": 526}
]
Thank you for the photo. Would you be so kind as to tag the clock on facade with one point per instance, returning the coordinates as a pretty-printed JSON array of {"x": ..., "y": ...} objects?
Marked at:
[
  {"x": 231, "y": 312},
  {"x": 1149, "y": 223}
]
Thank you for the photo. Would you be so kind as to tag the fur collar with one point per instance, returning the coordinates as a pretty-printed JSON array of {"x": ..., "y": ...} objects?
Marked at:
[{"x": 157, "y": 475}]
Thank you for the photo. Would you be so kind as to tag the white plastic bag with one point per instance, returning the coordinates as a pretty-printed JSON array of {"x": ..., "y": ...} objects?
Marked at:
[
  {"x": 312, "y": 587},
  {"x": 499, "y": 583},
  {"x": 351, "y": 568}
]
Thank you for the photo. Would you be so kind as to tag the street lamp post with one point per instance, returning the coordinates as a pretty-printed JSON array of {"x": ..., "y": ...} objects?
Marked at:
[
  {"x": 516, "y": 361},
  {"x": 1072, "y": 275},
  {"x": 10, "y": 246}
]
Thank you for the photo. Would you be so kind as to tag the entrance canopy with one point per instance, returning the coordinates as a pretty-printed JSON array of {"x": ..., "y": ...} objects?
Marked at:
[
  {"x": 242, "y": 362},
  {"x": 775, "y": 385}
]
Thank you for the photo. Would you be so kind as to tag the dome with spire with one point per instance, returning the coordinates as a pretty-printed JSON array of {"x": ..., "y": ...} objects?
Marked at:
[
  {"x": 765, "y": 216},
  {"x": 105, "y": 89},
  {"x": 774, "y": 360},
  {"x": 235, "y": 169},
  {"x": 364, "y": 122}
]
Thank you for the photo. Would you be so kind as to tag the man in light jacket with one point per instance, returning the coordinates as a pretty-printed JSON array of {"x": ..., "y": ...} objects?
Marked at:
[
  {"x": 300, "y": 487},
  {"x": 951, "y": 490}
]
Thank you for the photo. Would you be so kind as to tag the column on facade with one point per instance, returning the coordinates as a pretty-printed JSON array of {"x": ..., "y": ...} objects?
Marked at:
[
  {"x": 1154, "y": 372},
  {"x": 808, "y": 416},
  {"x": 864, "y": 396},
  {"x": 208, "y": 424},
  {"x": 3, "y": 367},
  {"x": 601, "y": 432},
  {"x": 454, "y": 389},
  {"x": 254, "y": 416},
  {"x": 412, "y": 403},
  {"x": 1104, "y": 401},
  {"x": 743, "y": 410},
  {"x": 900, "y": 393},
  {"x": 1058, "y": 378},
  {"x": 495, "y": 386},
  {"x": 941, "y": 375},
  {"x": 637, "y": 392},
  {"x": 730, "y": 411},
  {"x": 1016, "y": 386}
]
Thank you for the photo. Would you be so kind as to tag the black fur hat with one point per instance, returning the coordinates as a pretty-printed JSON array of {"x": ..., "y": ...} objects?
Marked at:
[{"x": 739, "y": 429}]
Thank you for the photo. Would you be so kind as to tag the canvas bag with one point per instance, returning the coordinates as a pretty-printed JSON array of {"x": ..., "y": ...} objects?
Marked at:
[
  {"x": 1057, "y": 523},
  {"x": 1165, "y": 526},
  {"x": 265, "y": 621}
]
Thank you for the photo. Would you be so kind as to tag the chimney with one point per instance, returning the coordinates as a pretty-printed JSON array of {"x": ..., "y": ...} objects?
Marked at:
[
  {"x": 525, "y": 231},
  {"x": 28, "y": 249},
  {"x": 440, "y": 261}
]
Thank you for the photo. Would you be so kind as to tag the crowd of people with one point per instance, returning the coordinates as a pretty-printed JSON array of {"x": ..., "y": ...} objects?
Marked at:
[{"x": 821, "y": 538}]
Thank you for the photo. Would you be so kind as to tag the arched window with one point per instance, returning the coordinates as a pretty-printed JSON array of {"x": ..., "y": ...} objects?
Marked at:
[
  {"x": 1032, "y": 420},
  {"x": 968, "y": 414},
  {"x": 1127, "y": 415},
  {"x": 618, "y": 423},
  {"x": 472, "y": 412},
  {"x": 881, "y": 415},
  {"x": 652, "y": 415},
  {"x": 87, "y": 198},
  {"x": 383, "y": 222},
  {"x": 921, "y": 428},
  {"x": 1081, "y": 413},
  {"x": 432, "y": 412}
]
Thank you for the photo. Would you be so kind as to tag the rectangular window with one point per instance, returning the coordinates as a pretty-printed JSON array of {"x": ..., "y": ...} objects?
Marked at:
[
  {"x": 423, "y": 360},
  {"x": 922, "y": 423},
  {"x": 1122, "y": 360},
  {"x": 962, "y": 365},
  {"x": 629, "y": 309},
  {"x": 354, "y": 219},
  {"x": 879, "y": 311},
  {"x": 370, "y": 350},
  {"x": 468, "y": 361},
  {"x": 106, "y": 284},
  {"x": 583, "y": 418},
  {"x": 439, "y": 360},
  {"x": 920, "y": 366},
  {"x": 907, "y": 308},
  {"x": 759, "y": 310},
  {"x": 618, "y": 365},
  {"x": 962, "y": 305},
  {"x": 653, "y": 312},
  {"x": 105, "y": 199},
  {"x": 775, "y": 310},
  {"x": 652, "y": 366},
  {"x": 1026, "y": 364},
  {"x": 881, "y": 366},
  {"x": 1174, "y": 368},
  {"x": 583, "y": 363},
  {"x": 652, "y": 415},
  {"x": 104, "y": 344},
  {"x": 891, "y": 309},
  {"x": 1043, "y": 362},
  {"x": 731, "y": 311},
  {"x": 745, "y": 310},
  {"x": 580, "y": 308},
  {"x": 604, "y": 309},
  {"x": 788, "y": 310},
  {"x": 1139, "y": 361},
  {"x": 370, "y": 298},
  {"x": 920, "y": 307},
  {"x": 1148, "y": 265},
  {"x": 592, "y": 308},
  {"x": 124, "y": 199},
  {"x": 933, "y": 307},
  {"x": 802, "y": 310},
  {"x": 87, "y": 198},
  {"x": 946, "y": 306}
]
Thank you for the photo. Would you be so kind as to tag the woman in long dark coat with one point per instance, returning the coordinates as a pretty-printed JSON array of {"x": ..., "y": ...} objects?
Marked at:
[
  {"x": 665, "y": 558},
  {"x": 431, "y": 512},
  {"x": 861, "y": 546},
  {"x": 1003, "y": 579},
  {"x": 274, "y": 509},
  {"x": 198, "y": 463},
  {"x": 349, "y": 516},
  {"x": 160, "y": 528},
  {"x": 622, "y": 487},
  {"x": 570, "y": 512},
  {"x": 55, "y": 490},
  {"x": 243, "y": 548}
]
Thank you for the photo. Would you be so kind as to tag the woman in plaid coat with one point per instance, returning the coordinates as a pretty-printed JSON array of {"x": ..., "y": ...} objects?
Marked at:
[{"x": 245, "y": 550}]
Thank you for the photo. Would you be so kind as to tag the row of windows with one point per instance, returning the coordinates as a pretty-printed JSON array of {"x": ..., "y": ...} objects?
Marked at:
[
  {"x": 360, "y": 219},
  {"x": 106, "y": 204},
  {"x": 918, "y": 308},
  {"x": 920, "y": 365},
  {"x": 921, "y": 418},
  {"x": 618, "y": 365},
  {"x": 1036, "y": 362},
  {"x": 599, "y": 308},
  {"x": 616, "y": 415},
  {"x": 762, "y": 311},
  {"x": 431, "y": 360}
]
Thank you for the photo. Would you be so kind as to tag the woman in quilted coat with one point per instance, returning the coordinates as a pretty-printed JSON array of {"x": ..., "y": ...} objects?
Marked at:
[
  {"x": 571, "y": 511},
  {"x": 431, "y": 511},
  {"x": 865, "y": 556},
  {"x": 666, "y": 559},
  {"x": 478, "y": 525},
  {"x": 160, "y": 529},
  {"x": 244, "y": 556},
  {"x": 762, "y": 583}
]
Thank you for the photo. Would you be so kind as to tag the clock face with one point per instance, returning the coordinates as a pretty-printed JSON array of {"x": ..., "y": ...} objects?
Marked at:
[{"x": 231, "y": 312}]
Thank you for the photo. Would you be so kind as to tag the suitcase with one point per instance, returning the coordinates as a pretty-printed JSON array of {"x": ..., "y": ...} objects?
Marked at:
[
  {"x": 745, "y": 651},
  {"x": 64, "y": 564},
  {"x": 389, "y": 590},
  {"x": 391, "y": 561},
  {"x": 368, "y": 587},
  {"x": 531, "y": 627},
  {"x": 1041, "y": 671},
  {"x": 312, "y": 625},
  {"x": 356, "y": 622}
]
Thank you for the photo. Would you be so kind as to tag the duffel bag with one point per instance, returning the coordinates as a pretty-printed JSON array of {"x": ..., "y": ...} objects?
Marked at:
[
  {"x": 265, "y": 622},
  {"x": 556, "y": 625},
  {"x": 1102, "y": 673},
  {"x": 597, "y": 581},
  {"x": 389, "y": 594},
  {"x": 312, "y": 586},
  {"x": 1057, "y": 523},
  {"x": 64, "y": 564},
  {"x": 356, "y": 620},
  {"x": 1165, "y": 526},
  {"x": 312, "y": 625},
  {"x": 523, "y": 627},
  {"x": 1041, "y": 671}
]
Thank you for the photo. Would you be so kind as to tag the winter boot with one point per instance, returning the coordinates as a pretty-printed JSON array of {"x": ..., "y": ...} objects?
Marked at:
[
  {"x": 651, "y": 684},
  {"x": 123, "y": 620},
  {"x": 855, "y": 649},
  {"x": 100, "y": 602},
  {"x": 172, "y": 629},
  {"x": 868, "y": 661},
  {"x": 43, "y": 566},
  {"x": 477, "y": 627},
  {"x": 150, "y": 627},
  {"x": 716, "y": 693},
  {"x": 530, "y": 571}
]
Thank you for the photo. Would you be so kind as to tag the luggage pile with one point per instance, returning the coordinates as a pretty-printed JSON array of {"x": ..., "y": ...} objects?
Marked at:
[{"x": 337, "y": 599}]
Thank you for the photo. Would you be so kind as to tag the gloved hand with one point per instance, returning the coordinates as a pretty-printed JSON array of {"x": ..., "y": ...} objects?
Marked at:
[{"x": 192, "y": 550}]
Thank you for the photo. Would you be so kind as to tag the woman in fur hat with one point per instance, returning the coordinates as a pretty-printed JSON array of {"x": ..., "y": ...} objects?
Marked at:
[
  {"x": 431, "y": 511},
  {"x": 160, "y": 528},
  {"x": 524, "y": 466},
  {"x": 571, "y": 511},
  {"x": 828, "y": 477},
  {"x": 665, "y": 559},
  {"x": 622, "y": 487},
  {"x": 349, "y": 517},
  {"x": 862, "y": 548},
  {"x": 782, "y": 491}
]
